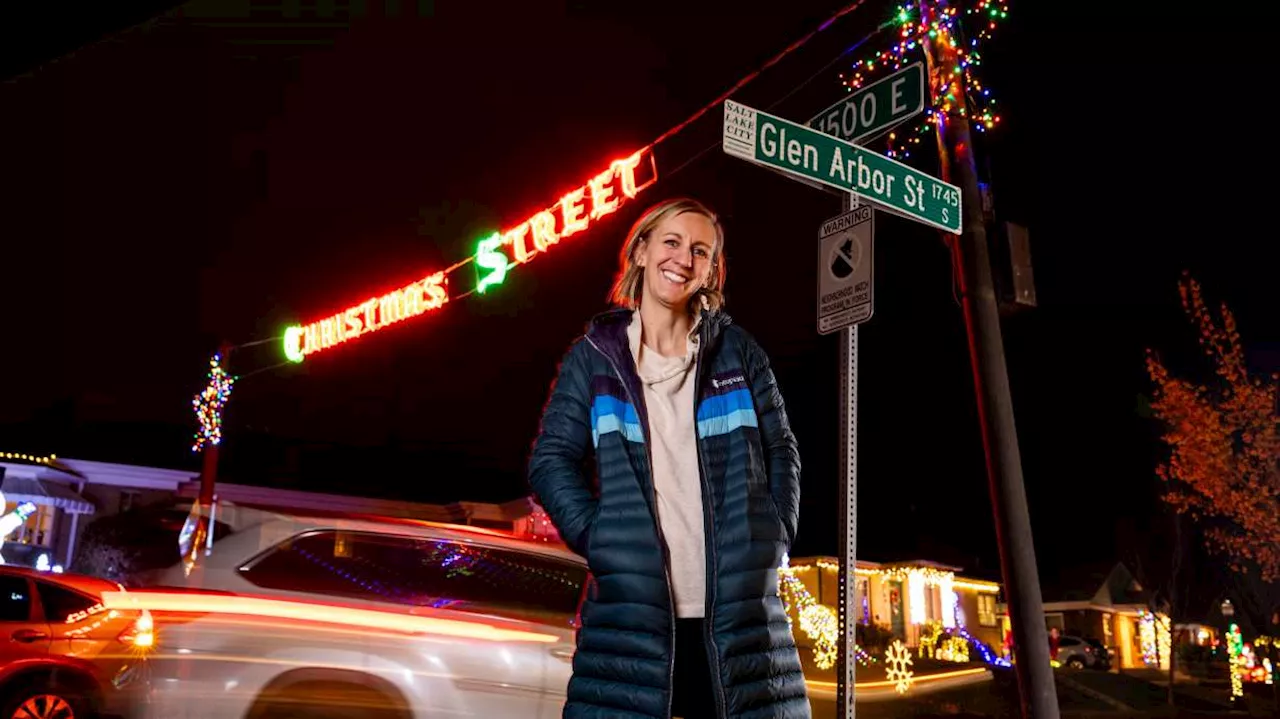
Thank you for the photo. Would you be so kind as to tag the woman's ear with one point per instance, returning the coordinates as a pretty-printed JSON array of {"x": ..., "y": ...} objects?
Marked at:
[{"x": 637, "y": 257}]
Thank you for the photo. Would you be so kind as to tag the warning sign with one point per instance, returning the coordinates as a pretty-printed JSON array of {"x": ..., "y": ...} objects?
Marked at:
[{"x": 846, "y": 269}]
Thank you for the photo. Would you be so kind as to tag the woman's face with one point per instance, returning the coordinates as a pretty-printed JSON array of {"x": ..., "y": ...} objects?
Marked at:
[{"x": 676, "y": 257}]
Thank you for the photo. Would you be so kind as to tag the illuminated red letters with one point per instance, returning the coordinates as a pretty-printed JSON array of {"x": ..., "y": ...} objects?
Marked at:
[
  {"x": 495, "y": 255},
  {"x": 373, "y": 314},
  {"x": 602, "y": 194}
]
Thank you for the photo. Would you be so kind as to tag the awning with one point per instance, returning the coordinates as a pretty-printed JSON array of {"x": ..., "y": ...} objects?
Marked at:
[{"x": 47, "y": 494}]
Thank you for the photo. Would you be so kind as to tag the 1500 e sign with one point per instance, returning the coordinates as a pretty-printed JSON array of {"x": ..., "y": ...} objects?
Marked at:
[{"x": 780, "y": 144}]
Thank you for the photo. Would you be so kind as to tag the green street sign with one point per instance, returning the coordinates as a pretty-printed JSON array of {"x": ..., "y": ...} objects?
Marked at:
[
  {"x": 873, "y": 109},
  {"x": 812, "y": 156}
]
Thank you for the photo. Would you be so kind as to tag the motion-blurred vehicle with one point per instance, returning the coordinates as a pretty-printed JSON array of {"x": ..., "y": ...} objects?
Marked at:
[
  {"x": 64, "y": 654},
  {"x": 290, "y": 616}
]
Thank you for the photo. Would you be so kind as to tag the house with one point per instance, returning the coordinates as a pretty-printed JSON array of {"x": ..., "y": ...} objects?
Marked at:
[
  {"x": 1105, "y": 602},
  {"x": 904, "y": 596},
  {"x": 70, "y": 493}
]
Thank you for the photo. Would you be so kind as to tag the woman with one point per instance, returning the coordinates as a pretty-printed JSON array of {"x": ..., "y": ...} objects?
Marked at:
[{"x": 696, "y": 495}]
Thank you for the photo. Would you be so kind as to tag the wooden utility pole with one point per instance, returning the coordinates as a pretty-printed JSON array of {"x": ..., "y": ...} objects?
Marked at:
[{"x": 991, "y": 380}]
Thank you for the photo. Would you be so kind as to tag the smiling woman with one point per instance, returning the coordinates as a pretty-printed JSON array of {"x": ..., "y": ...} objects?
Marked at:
[{"x": 696, "y": 491}]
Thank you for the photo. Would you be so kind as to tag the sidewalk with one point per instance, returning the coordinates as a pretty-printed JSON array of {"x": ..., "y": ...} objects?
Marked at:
[{"x": 1081, "y": 695}]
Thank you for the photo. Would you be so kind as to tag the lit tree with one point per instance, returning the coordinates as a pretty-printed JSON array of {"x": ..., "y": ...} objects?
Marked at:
[{"x": 1224, "y": 442}]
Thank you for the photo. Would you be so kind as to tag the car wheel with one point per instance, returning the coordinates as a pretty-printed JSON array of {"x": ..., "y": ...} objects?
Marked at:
[
  {"x": 321, "y": 701},
  {"x": 1075, "y": 663},
  {"x": 40, "y": 700}
]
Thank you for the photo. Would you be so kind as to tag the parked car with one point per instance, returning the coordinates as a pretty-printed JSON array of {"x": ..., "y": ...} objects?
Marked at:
[
  {"x": 1079, "y": 653},
  {"x": 65, "y": 656},
  {"x": 339, "y": 617}
]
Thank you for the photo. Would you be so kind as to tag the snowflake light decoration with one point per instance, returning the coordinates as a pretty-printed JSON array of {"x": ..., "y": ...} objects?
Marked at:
[{"x": 897, "y": 661}]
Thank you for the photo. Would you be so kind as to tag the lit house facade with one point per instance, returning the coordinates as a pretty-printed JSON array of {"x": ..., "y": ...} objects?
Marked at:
[{"x": 904, "y": 597}]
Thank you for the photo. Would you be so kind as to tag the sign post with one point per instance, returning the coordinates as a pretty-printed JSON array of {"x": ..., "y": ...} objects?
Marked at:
[
  {"x": 846, "y": 269},
  {"x": 875, "y": 108},
  {"x": 845, "y": 265}
]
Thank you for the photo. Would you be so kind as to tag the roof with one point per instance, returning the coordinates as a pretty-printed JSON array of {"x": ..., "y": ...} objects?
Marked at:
[
  {"x": 45, "y": 493},
  {"x": 1103, "y": 583}
]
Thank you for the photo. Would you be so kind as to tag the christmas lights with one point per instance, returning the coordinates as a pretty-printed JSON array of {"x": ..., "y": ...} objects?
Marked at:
[
  {"x": 1154, "y": 637},
  {"x": 915, "y": 594},
  {"x": 375, "y": 313},
  {"x": 34, "y": 459},
  {"x": 988, "y": 656},
  {"x": 494, "y": 258},
  {"x": 949, "y": 602},
  {"x": 953, "y": 649},
  {"x": 210, "y": 403},
  {"x": 821, "y": 625},
  {"x": 605, "y": 193},
  {"x": 818, "y": 621},
  {"x": 948, "y": 25},
  {"x": 898, "y": 666},
  {"x": 1238, "y": 662}
]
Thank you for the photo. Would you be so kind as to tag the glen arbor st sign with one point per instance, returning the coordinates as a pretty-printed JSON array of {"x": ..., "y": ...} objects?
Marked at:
[{"x": 807, "y": 154}]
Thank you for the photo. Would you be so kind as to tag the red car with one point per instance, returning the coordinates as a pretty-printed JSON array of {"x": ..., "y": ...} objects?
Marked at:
[{"x": 62, "y": 654}]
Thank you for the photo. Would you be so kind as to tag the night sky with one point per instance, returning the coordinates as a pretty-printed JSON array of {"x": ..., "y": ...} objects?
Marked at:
[{"x": 186, "y": 181}]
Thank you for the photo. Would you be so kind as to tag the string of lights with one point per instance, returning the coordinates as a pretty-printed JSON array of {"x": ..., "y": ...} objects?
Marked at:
[
  {"x": 978, "y": 23},
  {"x": 32, "y": 458},
  {"x": 209, "y": 403}
]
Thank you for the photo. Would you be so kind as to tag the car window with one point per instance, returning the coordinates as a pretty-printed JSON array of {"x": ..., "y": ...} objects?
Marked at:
[
  {"x": 15, "y": 599},
  {"x": 421, "y": 572},
  {"x": 1068, "y": 642},
  {"x": 59, "y": 602}
]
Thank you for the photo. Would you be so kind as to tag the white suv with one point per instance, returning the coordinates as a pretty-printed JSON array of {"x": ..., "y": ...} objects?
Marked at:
[{"x": 340, "y": 618}]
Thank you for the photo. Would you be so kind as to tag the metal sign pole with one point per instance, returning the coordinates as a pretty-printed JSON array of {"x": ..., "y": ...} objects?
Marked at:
[{"x": 847, "y": 614}]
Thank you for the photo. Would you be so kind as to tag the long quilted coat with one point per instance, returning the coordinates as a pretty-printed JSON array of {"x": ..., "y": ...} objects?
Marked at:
[{"x": 751, "y": 492}]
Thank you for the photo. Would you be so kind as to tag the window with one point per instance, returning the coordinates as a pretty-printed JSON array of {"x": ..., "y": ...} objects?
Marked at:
[
  {"x": 1068, "y": 642},
  {"x": 59, "y": 603},
  {"x": 127, "y": 499},
  {"x": 421, "y": 572},
  {"x": 987, "y": 610},
  {"x": 15, "y": 599},
  {"x": 37, "y": 530}
]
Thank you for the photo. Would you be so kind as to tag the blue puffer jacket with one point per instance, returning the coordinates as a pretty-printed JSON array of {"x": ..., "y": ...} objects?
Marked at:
[{"x": 751, "y": 495}]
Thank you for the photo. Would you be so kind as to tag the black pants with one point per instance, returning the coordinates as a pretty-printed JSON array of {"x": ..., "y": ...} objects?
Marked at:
[{"x": 693, "y": 694}]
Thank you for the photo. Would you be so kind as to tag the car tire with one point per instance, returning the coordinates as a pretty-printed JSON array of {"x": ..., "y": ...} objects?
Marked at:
[
  {"x": 1075, "y": 663},
  {"x": 318, "y": 701},
  {"x": 43, "y": 700}
]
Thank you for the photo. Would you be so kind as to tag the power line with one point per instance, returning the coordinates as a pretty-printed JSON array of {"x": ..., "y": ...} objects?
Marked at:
[
  {"x": 698, "y": 114},
  {"x": 698, "y": 155}
]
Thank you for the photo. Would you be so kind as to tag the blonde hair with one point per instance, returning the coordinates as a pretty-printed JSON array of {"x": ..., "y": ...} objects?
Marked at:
[{"x": 628, "y": 286}]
